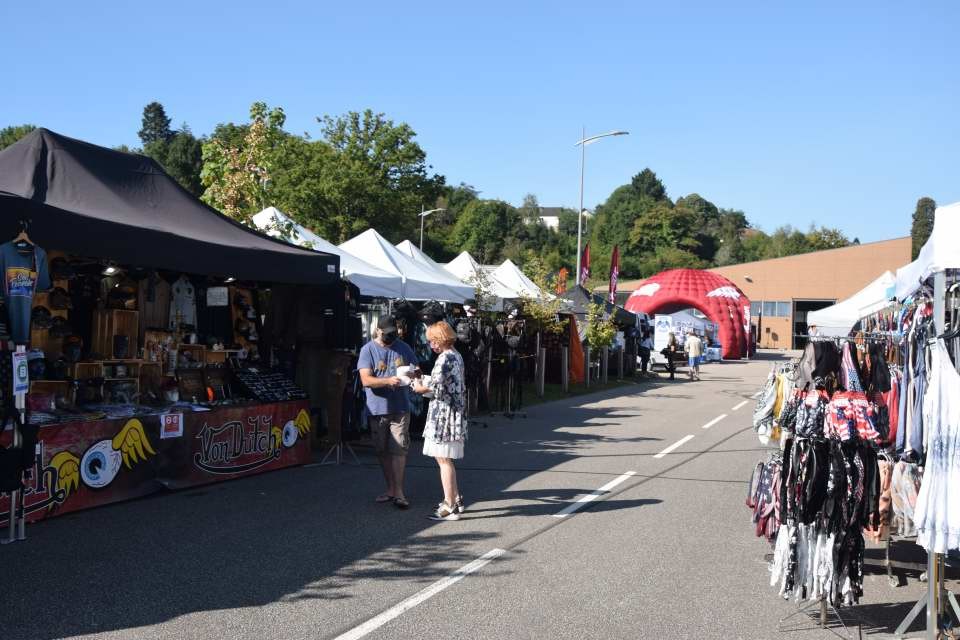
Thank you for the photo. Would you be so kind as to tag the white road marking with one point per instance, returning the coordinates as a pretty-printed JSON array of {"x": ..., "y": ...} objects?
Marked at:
[
  {"x": 757, "y": 394},
  {"x": 714, "y": 421},
  {"x": 678, "y": 443},
  {"x": 590, "y": 497},
  {"x": 739, "y": 405},
  {"x": 421, "y": 596}
]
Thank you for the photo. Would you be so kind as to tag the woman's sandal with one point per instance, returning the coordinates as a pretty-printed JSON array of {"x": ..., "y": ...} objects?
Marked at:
[
  {"x": 401, "y": 503},
  {"x": 384, "y": 497}
]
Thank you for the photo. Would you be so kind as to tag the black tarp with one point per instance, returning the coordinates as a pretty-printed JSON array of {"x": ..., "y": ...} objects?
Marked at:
[
  {"x": 97, "y": 202},
  {"x": 578, "y": 298}
]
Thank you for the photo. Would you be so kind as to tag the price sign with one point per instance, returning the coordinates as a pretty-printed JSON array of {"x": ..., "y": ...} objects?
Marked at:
[{"x": 171, "y": 425}]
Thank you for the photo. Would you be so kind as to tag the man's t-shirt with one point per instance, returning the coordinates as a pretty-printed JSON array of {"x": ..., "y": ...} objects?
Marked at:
[
  {"x": 694, "y": 346},
  {"x": 383, "y": 363},
  {"x": 24, "y": 273}
]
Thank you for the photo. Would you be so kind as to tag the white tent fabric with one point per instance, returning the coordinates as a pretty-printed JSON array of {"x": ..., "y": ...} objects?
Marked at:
[
  {"x": 419, "y": 281},
  {"x": 941, "y": 251},
  {"x": 468, "y": 270},
  {"x": 414, "y": 252},
  {"x": 371, "y": 281},
  {"x": 838, "y": 320},
  {"x": 509, "y": 274}
]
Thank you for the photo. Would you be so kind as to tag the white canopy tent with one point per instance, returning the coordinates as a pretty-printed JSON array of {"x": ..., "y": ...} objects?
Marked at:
[
  {"x": 414, "y": 252},
  {"x": 838, "y": 320},
  {"x": 940, "y": 252},
  {"x": 510, "y": 275},
  {"x": 371, "y": 281},
  {"x": 419, "y": 281},
  {"x": 468, "y": 270}
]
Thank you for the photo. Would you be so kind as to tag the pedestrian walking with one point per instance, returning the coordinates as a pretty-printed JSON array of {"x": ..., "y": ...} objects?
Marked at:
[
  {"x": 670, "y": 352},
  {"x": 446, "y": 428},
  {"x": 388, "y": 404},
  {"x": 646, "y": 347},
  {"x": 693, "y": 345}
]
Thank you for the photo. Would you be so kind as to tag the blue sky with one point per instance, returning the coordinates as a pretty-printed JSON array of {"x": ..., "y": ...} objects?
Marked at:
[{"x": 842, "y": 114}]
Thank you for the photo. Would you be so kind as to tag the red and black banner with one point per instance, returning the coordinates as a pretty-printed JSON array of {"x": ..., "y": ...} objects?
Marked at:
[
  {"x": 584, "y": 274},
  {"x": 79, "y": 465},
  {"x": 614, "y": 273}
]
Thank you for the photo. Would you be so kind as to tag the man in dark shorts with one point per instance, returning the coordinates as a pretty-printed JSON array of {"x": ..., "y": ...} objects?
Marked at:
[{"x": 388, "y": 404}]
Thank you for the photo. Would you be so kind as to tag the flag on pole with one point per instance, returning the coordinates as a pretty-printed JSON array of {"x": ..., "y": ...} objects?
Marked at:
[
  {"x": 614, "y": 273},
  {"x": 584, "y": 265},
  {"x": 562, "y": 280}
]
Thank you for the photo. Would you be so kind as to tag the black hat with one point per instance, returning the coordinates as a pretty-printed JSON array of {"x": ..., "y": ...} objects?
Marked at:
[
  {"x": 60, "y": 327},
  {"x": 61, "y": 269},
  {"x": 432, "y": 313},
  {"x": 60, "y": 299},
  {"x": 40, "y": 317},
  {"x": 388, "y": 325}
]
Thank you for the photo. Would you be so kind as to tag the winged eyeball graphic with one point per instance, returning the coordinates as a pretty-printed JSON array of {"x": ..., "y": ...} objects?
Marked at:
[{"x": 101, "y": 462}]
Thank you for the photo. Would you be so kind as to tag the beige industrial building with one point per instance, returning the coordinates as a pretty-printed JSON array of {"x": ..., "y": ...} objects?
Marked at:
[{"x": 783, "y": 290}]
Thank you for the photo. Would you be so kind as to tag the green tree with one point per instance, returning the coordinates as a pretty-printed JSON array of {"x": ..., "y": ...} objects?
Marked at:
[
  {"x": 9, "y": 135},
  {"x": 922, "y": 225},
  {"x": 669, "y": 258},
  {"x": 181, "y": 156},
  {"x": 647, "y": 184},
  {"x": 665, "y": 226},
  {"x": 485, "y": 228},
  {"x": 822, "y": 238},
  {"x": 155, "y": 124},
  {"x": 236, "y": 179},
  {"x": 601, "y": 329},
  {"x": 380, "y": 177}
]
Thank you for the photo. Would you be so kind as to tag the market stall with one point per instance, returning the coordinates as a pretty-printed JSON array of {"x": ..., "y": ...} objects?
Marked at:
[
  {"x": 838, "y": 320},
  {"x": 165, "y": 339}
]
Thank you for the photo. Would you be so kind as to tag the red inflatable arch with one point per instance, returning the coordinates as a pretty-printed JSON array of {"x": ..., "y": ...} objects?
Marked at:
[{"x": 713, "y": 295}]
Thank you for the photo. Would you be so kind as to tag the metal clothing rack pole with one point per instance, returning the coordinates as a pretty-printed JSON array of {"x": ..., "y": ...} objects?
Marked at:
[
  {"x": 825, "y": 608},
  {"x": 936, "y": 596},
  {"x": 17, "y": 524}
]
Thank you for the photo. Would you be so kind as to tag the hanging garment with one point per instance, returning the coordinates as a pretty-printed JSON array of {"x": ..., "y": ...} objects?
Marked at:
[
  {"x": 183, "y": 303},
  {"x": 881, "y": 532},
  {"x": 904, "y": 488},
  {"x": 938, "y": 505}
]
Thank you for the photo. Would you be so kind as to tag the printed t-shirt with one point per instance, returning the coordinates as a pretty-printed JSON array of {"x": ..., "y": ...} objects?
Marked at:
[
  {"x": 383, "y": 362},
  {"x": 183, "y": 301},
  {"x": 24, "y": 273}
]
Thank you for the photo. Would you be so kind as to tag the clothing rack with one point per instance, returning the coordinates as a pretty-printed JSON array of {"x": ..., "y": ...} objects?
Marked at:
[
  {"x": 936, "y": 597},
  {"x": 17, "y": 522}
]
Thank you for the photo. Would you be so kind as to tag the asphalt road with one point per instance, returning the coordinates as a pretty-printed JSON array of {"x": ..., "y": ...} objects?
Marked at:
[{"x": 666, "y": 552}]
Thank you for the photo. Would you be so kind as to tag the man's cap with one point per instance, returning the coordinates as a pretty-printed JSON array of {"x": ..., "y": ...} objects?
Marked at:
[
  {"x": 388, "y": 325},
  {"x": 60, "y": 299}
]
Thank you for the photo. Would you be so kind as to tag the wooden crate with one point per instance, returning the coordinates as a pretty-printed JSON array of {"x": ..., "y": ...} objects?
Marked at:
[{"x": 114, "y": 322}]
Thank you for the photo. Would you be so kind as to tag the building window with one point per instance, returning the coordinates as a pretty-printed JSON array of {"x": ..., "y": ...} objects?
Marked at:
[
  {"x": 783, "y": 309},
  {"x": 769, "y": 309},
  {"x": 755, "y": 309}
]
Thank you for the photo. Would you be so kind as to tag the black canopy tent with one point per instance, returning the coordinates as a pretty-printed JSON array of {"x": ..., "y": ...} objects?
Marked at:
[
  {"x": 97, "y": 202},
  {"x": 578, "y": 298}
]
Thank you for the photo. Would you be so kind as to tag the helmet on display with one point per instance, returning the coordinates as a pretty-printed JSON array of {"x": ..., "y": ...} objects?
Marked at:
[{"x": 36, "y": 364}]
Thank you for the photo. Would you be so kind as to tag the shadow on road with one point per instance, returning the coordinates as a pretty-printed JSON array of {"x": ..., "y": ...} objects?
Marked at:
[{"x": 309, "y": 533}]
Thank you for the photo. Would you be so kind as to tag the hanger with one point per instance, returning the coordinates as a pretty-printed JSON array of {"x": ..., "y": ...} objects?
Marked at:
[{"x": 22, "y": 236}]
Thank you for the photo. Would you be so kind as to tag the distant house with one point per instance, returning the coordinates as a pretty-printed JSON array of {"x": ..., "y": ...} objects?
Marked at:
[{"x": 550, "y": 216}]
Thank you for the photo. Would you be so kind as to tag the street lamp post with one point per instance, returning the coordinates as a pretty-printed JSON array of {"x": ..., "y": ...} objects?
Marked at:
[
  {"x": 423, "y": 214},
  {"x": 582, "y": 143}
]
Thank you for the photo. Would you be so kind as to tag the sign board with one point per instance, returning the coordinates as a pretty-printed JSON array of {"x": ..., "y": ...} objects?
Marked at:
[
  {"x": 218, "y": 297},
  {"x": 21, "y": 373},
  {"x": 662, "y": 327},
  {"x": 171, "y": 425}
]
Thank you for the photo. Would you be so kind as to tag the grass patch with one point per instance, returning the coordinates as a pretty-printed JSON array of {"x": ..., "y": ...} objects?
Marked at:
[{"x": 555, "y": 391}]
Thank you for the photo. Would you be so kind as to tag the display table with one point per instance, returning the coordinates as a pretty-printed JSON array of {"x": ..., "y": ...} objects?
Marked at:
[{"x": 87, "y": 464}]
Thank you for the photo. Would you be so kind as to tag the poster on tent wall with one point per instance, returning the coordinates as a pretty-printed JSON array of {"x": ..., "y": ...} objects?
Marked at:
[
  {"x": 80, "y": 465},
  {"x": 662, "y": 327}
]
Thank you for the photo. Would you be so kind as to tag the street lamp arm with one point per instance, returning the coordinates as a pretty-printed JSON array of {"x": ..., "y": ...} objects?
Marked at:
[
  {"x": 591, "y": 139},
  {"x": 426, "y": 213}
]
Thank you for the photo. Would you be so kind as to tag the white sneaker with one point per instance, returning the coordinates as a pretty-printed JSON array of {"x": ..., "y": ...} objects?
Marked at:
[{"x": 445, "y": 512}]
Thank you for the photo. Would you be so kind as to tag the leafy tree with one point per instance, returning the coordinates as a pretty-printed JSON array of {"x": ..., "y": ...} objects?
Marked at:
[
  {"x": 601, "y": 329},
  {"x": 670, "y": 258},
  {"x": 530, "y": 209},
  {"x": 544, "y": 313},
  {"x": 156, "y": 124},
  {"x": 483, "y": 228},
  {"x": 125, "y": 149},
  {"x": 9, "y": 135},
  {"x": 647, "y": 184},
  {"x": 922, "y": 225},
  {"x": 756, "y": 245},
  {"x": 236, "y": 178},
  {"x": 181, "y": 156},
  {"x": 822, "y": 238},
  {"x": 380, "y": 177},
  {"x": 665, "y": 226}
]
